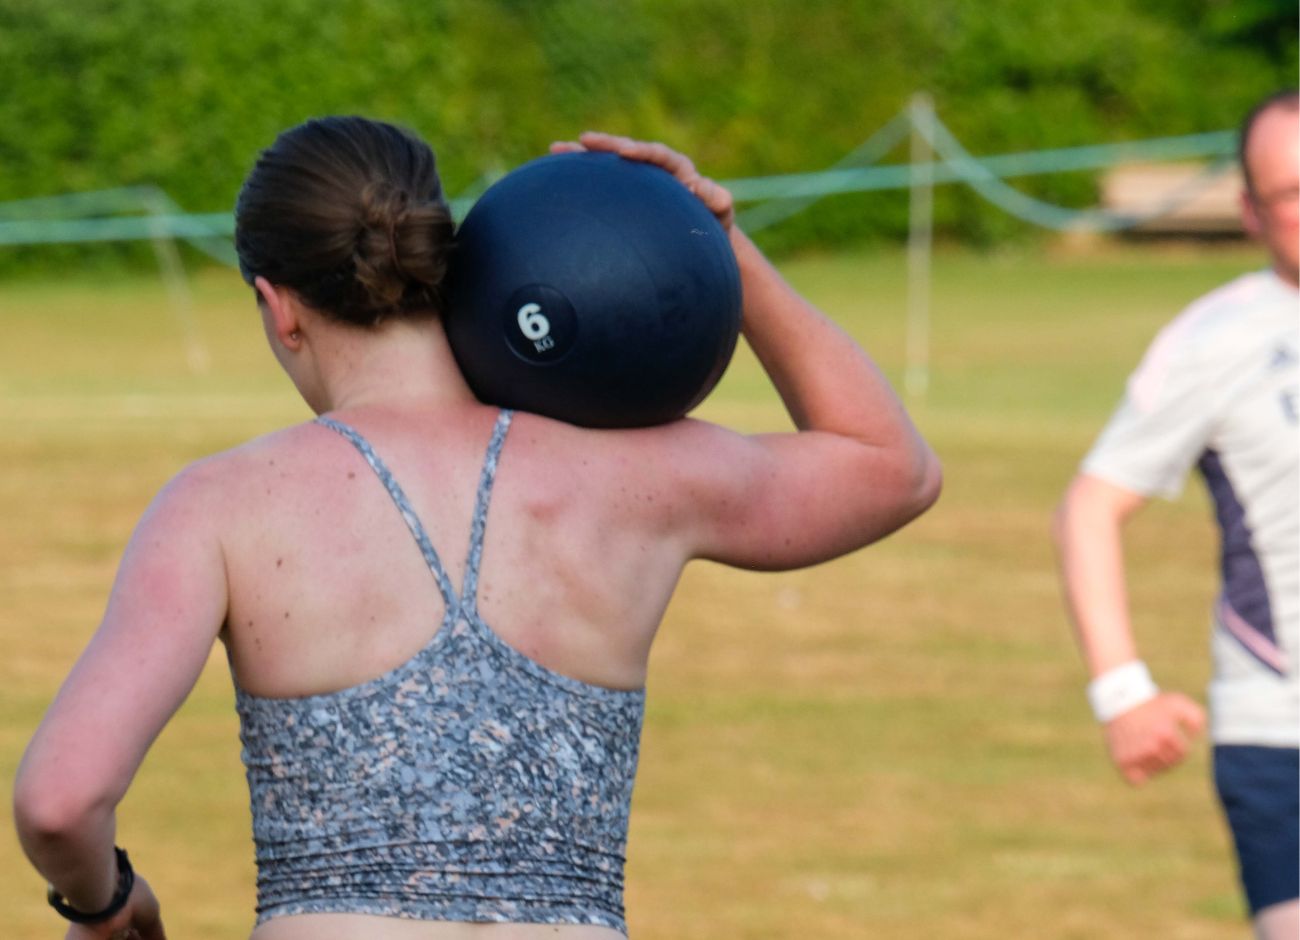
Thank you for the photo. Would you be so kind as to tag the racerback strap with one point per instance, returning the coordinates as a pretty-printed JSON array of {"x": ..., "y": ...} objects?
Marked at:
[
  {"x": 469, "y": 590},
  {"x": 468, "y": 601},
  {"x": 403, "y": 505}
]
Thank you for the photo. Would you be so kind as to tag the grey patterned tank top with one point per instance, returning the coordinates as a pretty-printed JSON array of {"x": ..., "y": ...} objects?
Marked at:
[{"x": 468, "y": 784}]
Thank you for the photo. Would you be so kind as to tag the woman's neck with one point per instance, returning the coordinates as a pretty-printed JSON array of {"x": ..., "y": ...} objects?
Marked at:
[{"x": 406, "y": 362}]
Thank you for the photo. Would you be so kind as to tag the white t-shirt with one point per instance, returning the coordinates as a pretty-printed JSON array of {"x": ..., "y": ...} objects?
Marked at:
[{"x": 1220, "y": 389}]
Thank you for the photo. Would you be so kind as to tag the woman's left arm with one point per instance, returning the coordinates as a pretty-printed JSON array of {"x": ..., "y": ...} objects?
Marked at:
[{"x": 167, "y": 606}]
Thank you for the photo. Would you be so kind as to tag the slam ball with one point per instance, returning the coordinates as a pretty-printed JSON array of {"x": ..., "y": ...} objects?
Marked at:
[{"x": 592, "y": 289}]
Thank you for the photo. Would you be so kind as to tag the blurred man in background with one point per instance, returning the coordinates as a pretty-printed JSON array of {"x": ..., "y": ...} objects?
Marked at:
[{"x": 1218, "y": 389}]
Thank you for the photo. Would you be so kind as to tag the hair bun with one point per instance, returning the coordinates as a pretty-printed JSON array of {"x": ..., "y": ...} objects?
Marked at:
[
  {"x": 401, "y": 249},
  {"x": 348, "y": 212}
]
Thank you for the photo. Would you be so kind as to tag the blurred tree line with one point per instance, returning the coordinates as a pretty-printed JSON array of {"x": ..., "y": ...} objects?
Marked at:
[{"x": 183, "y": 93}]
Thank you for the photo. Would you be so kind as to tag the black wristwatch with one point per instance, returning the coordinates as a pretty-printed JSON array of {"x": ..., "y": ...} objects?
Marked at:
[{"x": 125, "y": 882}]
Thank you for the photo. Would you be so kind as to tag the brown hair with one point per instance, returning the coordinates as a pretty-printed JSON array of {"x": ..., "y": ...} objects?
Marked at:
[
  {"x": 1288, "y": 99},
  {"x": 349, "y": 213}
]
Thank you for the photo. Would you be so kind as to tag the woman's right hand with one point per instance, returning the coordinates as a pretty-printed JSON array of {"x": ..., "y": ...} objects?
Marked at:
[
  {"x": 716, "y": 198},
  {"x": 140, "y": 919}
]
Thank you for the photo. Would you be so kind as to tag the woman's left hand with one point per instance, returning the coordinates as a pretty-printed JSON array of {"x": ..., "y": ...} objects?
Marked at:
[{"x": 716, "y": 198}]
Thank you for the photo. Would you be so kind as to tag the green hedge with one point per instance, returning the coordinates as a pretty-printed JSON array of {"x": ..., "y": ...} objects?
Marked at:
[{"x": 182, "y": 93}]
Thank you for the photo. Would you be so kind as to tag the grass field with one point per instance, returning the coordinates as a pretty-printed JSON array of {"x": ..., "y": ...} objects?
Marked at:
[{"x": 893, "y": 745}]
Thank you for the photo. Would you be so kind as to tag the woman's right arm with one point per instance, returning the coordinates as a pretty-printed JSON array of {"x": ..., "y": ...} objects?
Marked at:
[{"x": 856, "y": 470}]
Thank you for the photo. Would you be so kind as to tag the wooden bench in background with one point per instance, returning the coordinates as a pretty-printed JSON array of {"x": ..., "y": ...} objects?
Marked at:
[{"x": 1139, "y": 188}]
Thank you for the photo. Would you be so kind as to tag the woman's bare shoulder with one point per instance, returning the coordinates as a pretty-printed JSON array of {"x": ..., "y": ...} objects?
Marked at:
[
  {"x": 227, "y": 475},
  {"x": 655, "y": 475},
  {"x": 629, "y": 446},
  {"x": 600, "y": 456}
]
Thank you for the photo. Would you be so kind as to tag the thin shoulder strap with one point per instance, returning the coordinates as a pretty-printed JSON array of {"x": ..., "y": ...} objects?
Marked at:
[
  {"x": 403, "y": 505},
  {"x": 469, "y": 590}
]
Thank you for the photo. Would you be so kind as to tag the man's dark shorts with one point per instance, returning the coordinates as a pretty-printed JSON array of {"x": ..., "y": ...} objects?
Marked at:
[{"x": 1259, "y": 788}]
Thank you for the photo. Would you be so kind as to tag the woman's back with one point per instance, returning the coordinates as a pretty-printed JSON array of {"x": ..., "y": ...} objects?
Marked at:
[
  {"x": 463, "y": 781},
  {"x": 328, "y": 588}
]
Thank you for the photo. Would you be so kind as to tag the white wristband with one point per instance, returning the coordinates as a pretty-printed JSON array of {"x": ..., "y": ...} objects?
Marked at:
[{"x": 1121, "y": 689}]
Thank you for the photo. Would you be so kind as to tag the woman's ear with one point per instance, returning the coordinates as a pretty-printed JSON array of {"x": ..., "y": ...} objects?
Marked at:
[{"x": 281, "y": 311}]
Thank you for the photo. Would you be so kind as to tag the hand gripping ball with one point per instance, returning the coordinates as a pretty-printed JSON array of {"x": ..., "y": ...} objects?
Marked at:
[{"x": 592, "y": 289}]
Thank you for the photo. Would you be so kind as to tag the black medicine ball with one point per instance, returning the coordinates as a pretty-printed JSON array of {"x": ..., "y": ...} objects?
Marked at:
[{"x": 592, "y": 289}]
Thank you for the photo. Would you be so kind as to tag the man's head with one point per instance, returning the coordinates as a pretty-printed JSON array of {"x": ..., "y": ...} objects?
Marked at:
[{"x": 1269, "y": 150}]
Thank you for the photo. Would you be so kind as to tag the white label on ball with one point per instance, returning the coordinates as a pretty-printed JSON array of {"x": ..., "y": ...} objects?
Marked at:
[{"x": 532, "y": 323}]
